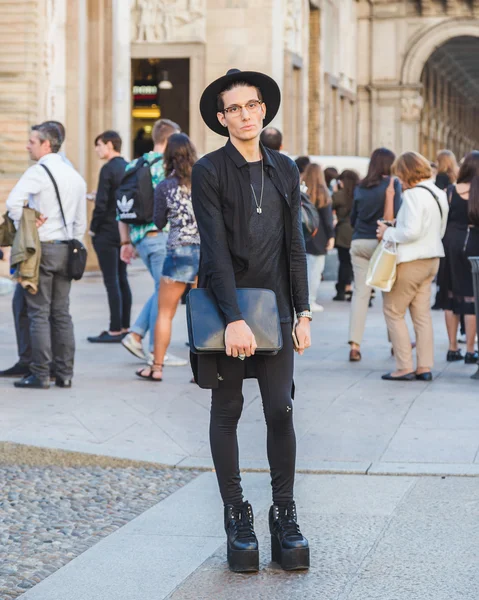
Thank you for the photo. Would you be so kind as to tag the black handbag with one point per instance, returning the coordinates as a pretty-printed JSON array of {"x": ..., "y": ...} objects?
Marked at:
[
  {"x": 309, "y": 217},
  {"x": 206, "y": 324},
  {"x": 77, "y": 253}
]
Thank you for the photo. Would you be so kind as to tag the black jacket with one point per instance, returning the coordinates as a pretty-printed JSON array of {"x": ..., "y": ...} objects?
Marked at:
[
  {"x": 104, "y": 221},
  {"x": 221, "y": 196}
]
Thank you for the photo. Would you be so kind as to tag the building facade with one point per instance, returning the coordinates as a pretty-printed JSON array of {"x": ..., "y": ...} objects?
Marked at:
[
  {"x": 354, "y": 74},
  {"x": 418, "y": 75},
  {"x": 98, "y": 64}
]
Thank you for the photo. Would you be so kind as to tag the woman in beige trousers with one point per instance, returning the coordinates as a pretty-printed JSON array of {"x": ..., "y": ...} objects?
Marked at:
[
  {"x": 421, "y": 224},
  {"x": 377, "y": 196}
]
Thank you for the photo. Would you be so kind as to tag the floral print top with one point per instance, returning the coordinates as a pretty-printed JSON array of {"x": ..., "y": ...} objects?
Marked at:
[{"x": 173, "y": 205}]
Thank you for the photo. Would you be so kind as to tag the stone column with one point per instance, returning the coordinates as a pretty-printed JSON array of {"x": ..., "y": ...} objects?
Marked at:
[
  {"x": 121, "y": 67},
  {"x": 52, "y": 69},
  {"x": 99, "y": 78},
  {"x": 76, "y": 145},
  {"x": 314, "y": 81},
  {"x": 411, "y": 109}
]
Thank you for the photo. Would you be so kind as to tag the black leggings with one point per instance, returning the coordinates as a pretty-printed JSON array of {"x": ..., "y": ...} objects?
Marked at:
[
  {"x": 275, "y": 378},
  {"x": 116, "y": 282},
  {"x": 345, "y": 271}
]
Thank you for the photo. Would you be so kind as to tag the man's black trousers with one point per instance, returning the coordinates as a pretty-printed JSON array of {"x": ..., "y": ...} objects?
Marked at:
[
  {"x": 116, "y": 281},
  {"x": 275, "y": 379}
]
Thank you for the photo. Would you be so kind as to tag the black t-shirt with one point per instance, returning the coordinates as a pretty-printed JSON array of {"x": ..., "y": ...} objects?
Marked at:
[{"x": 268, "y": 261}]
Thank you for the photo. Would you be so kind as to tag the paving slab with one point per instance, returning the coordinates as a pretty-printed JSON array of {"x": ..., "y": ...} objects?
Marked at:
[
  {"x": 384, "y": 538},
  {"x": 386, "y": 541},
  {"x": 347, "y": 418}
]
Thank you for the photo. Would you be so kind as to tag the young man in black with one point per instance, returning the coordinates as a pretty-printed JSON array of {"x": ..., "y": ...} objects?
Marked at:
[
  {"x": 106, "y": 238},
  {"x": 247, "y": 204}
]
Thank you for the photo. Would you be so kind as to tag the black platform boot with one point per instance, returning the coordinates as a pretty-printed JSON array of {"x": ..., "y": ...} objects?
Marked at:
[
  {"x": 243, "y": 554},
  {"x": 289, "y": 548}
]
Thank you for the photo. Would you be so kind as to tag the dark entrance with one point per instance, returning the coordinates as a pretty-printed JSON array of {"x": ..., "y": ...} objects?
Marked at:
[{"x": 160, "y": 89}]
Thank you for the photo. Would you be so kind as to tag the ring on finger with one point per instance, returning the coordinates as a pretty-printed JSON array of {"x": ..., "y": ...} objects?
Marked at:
[{"x": 241, "y": 356}]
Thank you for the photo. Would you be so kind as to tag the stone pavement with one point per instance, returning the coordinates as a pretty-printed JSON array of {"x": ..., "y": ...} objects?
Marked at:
[
  {"x": 347, "y": 419},
  {"x": 372, "y": 538}
]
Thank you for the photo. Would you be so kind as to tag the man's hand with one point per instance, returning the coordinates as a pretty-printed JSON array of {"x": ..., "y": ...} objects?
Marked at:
[
  {"x": 303, "y": 333},
  {"x": 330, "y": 244},
  {"x": 127, "y": 253},
  {"x": 40, "y": 221},
  {"x": 239, "y": 339}
]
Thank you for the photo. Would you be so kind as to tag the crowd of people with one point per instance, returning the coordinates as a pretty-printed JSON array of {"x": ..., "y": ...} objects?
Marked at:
[
  {"x": 349, "y": 209},
  {"x": 395, "y": 201},
  {"x": 244, "y": 216},
  {"x": 168, "y": 244}
]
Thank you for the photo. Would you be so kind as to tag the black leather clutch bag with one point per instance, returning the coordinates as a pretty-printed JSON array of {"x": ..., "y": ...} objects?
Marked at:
[{"x": 206, "y": 324}]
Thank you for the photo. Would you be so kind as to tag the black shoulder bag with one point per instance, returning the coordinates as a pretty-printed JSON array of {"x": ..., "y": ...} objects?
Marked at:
[{"x": 77, "y": 253}]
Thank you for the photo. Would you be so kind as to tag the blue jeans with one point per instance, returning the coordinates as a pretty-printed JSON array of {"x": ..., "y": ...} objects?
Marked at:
[{"x": 152, "y": 251}]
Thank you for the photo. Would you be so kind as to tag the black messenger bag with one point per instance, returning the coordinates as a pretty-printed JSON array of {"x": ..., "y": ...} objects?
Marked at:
[
  {"x": 77, "y": 253},
  {"x": 206, "y": 324}
]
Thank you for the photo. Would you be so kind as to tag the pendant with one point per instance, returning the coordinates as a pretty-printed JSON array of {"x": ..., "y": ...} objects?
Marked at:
[{"x": 259, "y": 210}]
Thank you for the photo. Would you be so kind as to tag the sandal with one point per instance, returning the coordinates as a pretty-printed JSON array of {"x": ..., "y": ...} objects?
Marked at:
[
  {"x": 354, "y": 355},
  {"x": 154, "y": 368}
]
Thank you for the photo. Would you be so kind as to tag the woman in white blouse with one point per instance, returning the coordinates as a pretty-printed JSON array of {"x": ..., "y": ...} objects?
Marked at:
[{"x": 420, "y": 227}]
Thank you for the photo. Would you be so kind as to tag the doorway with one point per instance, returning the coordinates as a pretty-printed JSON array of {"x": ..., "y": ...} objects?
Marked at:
[{"x": 161, "y": 89}]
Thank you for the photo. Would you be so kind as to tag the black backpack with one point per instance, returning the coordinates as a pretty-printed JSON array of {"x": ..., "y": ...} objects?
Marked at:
[
  {"x": 309, "y": 217},
  {"x": 135, "y": 194}
]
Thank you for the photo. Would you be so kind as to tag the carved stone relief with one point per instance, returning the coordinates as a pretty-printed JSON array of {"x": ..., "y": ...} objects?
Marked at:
[
  {"x": 293, "y": 26},
  {"x": 168, "y": 20},
  {"x": 411, "y": 108}
]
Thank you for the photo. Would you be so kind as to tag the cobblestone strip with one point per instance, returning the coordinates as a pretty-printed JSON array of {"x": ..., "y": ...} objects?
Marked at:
[{"x": 51, "y": 514}]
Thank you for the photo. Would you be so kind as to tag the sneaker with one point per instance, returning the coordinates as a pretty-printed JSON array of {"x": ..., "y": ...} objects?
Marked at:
[
  {"x": 170, "y": 360},
  {"x": 106, "y": 338},
  {"x": 315, "y": 307},
  {"x": 136, "y": 348}
]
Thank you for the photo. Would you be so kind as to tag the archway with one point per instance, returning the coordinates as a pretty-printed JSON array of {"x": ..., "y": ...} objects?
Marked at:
[
  {"x": 450, "y": 117},
  {"x": 441, "y": 74}
]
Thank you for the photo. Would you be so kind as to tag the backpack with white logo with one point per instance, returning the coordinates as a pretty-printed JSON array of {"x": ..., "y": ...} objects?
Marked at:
[{"x": 135, "y": 194}]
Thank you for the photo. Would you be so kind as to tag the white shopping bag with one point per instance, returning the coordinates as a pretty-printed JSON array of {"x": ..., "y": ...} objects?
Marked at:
[{"x": 382, "y": 267}]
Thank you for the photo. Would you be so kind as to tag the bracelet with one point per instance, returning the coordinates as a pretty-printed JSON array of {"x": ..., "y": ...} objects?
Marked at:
[
  {"x": 305, "y": 313},
  {"x": 125, "y": 243}
]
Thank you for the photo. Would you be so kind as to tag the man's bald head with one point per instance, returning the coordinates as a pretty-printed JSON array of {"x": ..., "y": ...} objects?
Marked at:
[{"x": 272, "y": 138}]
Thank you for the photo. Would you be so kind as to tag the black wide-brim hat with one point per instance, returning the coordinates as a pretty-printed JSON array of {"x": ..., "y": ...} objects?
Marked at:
[{"x": 209, "y": 99}]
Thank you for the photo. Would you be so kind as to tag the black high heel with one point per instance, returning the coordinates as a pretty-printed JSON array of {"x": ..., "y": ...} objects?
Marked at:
[
  {"x": 242, "y": 544},
  {"x": 289, "y": 548}
]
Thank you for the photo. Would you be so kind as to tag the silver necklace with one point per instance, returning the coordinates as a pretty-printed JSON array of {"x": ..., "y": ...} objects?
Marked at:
[{"x": 259, "y": 210}]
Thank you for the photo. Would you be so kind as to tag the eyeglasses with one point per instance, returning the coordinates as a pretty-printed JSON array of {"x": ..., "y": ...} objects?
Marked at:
[{"x": 235, "y": 110}]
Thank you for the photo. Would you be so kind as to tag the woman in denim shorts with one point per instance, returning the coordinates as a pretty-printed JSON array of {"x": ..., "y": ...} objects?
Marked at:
[{"x": 173, "y": 206}]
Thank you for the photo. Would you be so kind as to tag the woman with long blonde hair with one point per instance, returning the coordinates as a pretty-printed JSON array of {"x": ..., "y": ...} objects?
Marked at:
[
  {"x": 447, "y": 169},
  {"x": 319, "y": 245}
]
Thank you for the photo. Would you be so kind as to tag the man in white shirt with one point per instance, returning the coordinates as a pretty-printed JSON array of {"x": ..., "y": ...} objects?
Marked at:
[
  {"x": 51, "y": 328},
  {"x": 19, "y": 306}
]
